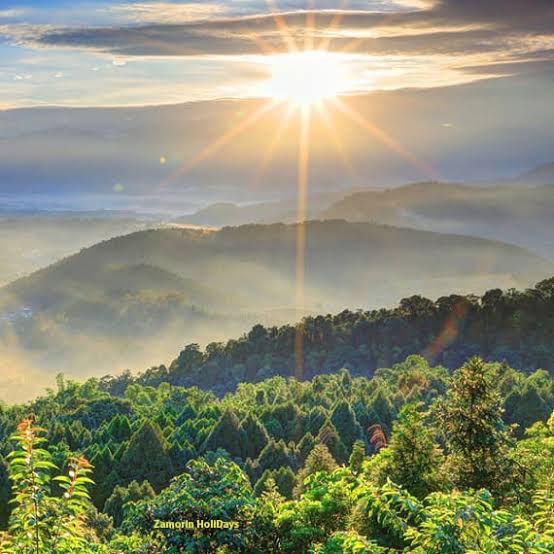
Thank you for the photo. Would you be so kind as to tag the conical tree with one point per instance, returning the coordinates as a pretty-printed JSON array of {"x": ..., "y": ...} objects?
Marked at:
[
  {"x": 415, "y": 460},
  {"x": 226, "y": 434},
  {"x": 477, "y": 439},
  {"x": 345, "y": 423},
  {"x": 147, "y": 457},
  {"x": 319, "y": 459},
  {"x": 254, "y": 435},
  {"x": 122, "y": 495},
  {"x": 305, "y": 446},
  {"x": 274, "y": 456}
]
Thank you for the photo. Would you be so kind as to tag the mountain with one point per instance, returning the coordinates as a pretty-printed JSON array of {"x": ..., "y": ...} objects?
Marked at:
[
  {"x": 540, "y": 175},
  {"x": 522, "y": 216},
  {"x": 284, "y": 211},
  {"x": 128, "y": 301}
]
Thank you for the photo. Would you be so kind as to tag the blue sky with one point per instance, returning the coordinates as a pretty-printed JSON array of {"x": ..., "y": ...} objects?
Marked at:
[{"x": 131, "y": 52}]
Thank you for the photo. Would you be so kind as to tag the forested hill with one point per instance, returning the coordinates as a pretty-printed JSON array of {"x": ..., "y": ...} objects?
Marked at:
[{"x": 512, "y": 326}]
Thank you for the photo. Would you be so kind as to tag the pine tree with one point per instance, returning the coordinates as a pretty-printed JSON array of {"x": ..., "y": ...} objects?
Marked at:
[
  {"x": 105, "y": 475},
  {"x": 228, "y": 435},
  {"x": 305, "y": 446},
  {"x": 415, "y": 460},
  {"x": 283, "y": 478},
  {"x": 319, "y": 459},
  {"x": 134, "y": 492},
  {"x": 147, "y": 457},
  {"x": 254, "y": 435},
  {"x": 477, "y": 439},
  {"x": 274, "y": 456},
  {"x": 357, "y": 457},
  {"x": 345, "y": 423}
]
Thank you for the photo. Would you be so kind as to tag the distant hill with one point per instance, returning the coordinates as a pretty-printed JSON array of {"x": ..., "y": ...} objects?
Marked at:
[
  {"x": 522, "y": 216},
  {"x": 540, "y": 175},
  {"x": 131, "y": 300},
  {"x": 223, "y": 214}
]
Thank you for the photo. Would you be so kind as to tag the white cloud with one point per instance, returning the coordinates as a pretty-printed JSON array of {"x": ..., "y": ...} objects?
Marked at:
[
  {"x": 166, "y": 12},
  {"x": 12, "y": 13}
]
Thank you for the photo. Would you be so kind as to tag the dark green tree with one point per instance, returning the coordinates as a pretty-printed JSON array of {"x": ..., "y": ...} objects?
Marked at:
[
  {"x": 228, "y": 435},
  {"x": 346, "y": 425},
  {"x": 414, "y": 459},
  {"x": 254, "y": 435},
  {"x": 147, "y": 457}
]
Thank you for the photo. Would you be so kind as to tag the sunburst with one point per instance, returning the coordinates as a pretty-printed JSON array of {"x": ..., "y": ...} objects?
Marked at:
[{"x": 304, "y": 77}]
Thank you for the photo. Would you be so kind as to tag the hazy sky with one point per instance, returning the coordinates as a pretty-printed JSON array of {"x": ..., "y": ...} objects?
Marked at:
[
  {"x": 120, "y": 52},
  {"x": 445, "y": 89}
]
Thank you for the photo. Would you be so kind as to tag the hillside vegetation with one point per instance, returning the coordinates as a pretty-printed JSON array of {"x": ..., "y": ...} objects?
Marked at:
[
  {"x": 143, "y": 295},
  {"x": 512, "y": 326},
  {"x": 414, "y": 460}
]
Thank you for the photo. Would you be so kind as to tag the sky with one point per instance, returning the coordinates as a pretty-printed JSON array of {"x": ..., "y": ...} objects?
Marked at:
[
  {"x": 118, "y": 53},
  {"x": 432, "y": 89}
]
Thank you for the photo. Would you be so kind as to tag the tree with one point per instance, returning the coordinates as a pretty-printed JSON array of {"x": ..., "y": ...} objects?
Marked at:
[
  {"x": 346, "y": 424},
  {"x": 525, "y": 408},
  {"x": 134, "y": 492},
  {"x": 477, "y": 440},
  {"x": 283, "y": 479},
  {"x": 254, "y": 435},
  {"x": 319, "y": 459},
  {"x": 226, "y": 434},
  {"x": 414, "y": 459},
  {"x": 205, "y": 492},
  {"x": 330, "y": 438},
  {"x": 147, "y": 457},
  {"x": 41, "y": 522},
  {"x": 274, "y": 456},
  {"x": 357, "y": 457}
]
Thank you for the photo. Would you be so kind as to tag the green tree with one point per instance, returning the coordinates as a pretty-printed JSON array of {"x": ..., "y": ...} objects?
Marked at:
[
  {"x": 254, "y": 436},
  {"x": 414, "y": 460},
  {"x": 228, "y": 435},
  {"x": 204, "y": 492},
  {"x": 319, "y": 459},
  {"x": 134, "y": 492},
  {"x": 41, "y": 522},
  {"x": 346, "y": 424},
  {"x": 147, "y": 457},
  {"x": 357, "y": 457},
  {"x": 477, "y": 440}
]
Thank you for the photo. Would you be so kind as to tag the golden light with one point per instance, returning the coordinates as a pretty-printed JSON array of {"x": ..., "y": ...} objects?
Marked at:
[{"x": 305, "y": 78}]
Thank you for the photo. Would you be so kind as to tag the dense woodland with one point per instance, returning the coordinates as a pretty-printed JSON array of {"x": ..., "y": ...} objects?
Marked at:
[
  {"x": 416, "y": 459},
  {"x": 516, "y": 327}
]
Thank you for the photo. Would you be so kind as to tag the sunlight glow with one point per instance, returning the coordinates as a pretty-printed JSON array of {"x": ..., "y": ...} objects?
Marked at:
[{"x": 306, "y": 78}]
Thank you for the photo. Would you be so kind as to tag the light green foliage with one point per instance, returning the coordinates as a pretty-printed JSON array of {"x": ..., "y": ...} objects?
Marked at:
[
  {"x": 412, "y": 459},
  {"x": 41, "y": 522},
  {"x": 470, "y": 420},
  {"x": 485, "y": 493}
]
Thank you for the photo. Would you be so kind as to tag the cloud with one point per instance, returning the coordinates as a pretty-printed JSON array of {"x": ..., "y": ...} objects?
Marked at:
[
  {"x": 12, "y": 13},
  {"x": 446, "y": 27},
  {"x": 167, "y": 12}
]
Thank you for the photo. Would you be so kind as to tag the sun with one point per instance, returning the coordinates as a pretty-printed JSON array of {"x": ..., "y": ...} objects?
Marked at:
[{"x": 305, "y": 78}]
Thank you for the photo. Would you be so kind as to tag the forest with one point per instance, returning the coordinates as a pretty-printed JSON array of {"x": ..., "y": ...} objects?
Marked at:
[
  {"x": 414, "y": 459},
  {"x": 510, "y": 326}
]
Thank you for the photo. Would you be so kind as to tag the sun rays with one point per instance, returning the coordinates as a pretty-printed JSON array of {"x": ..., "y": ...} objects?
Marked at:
[{"x": 308, "y": 78}]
